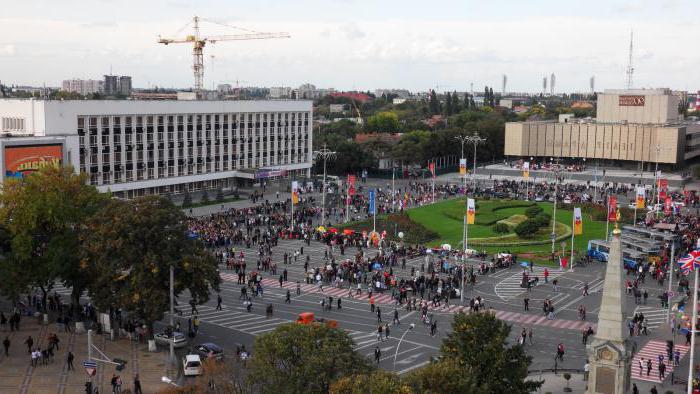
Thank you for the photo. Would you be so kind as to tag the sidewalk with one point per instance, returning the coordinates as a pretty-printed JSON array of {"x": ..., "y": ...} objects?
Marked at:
[
  {"x": 556, "y": 383},
  {"x": 17, "y": 374}
]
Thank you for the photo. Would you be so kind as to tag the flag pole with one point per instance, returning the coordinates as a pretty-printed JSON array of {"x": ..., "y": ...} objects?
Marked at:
[
  {"x": 692, "y": 331},
  {"x": 573, "y": 231},
  {"x": 607, "y": 222}
]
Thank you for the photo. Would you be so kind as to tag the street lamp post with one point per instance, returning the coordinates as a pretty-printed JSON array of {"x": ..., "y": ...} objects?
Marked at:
[
  {"x": 462, "y": 139},
  {"x": 172, "y": 313},
  {"x": 410, "y": 327},
  {"x": 325, "y": 154},
  {"x": 656, "y": 183},
  {"x": 476, "y": 140},
  {"x": 554, "y": 210}
]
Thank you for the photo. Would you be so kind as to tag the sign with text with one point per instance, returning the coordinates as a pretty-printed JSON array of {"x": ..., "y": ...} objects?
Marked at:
[
  {"x": 631, "y": 101},
  {"x": 23, "y": 160}
]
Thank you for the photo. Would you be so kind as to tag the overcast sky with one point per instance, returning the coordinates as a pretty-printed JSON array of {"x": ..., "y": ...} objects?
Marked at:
[{"x": 358, "y": 44}]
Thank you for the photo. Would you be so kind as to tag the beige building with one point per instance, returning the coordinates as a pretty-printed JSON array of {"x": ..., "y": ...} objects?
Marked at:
[{"x": 632, "y": 126}]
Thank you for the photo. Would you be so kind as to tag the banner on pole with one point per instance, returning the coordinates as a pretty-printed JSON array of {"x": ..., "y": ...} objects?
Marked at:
[
  {"x": 668, "y": 206},
  {"x": 351, "y": 185},
  {"x": 612, "y": 208},
  {"x": 471, "y": 211},
  {"x": 462, "y": 166},
  {"x": 663, "y": 183},
  {"x": 641, "y": 196},
  {"x": 295, "y": 192},
  {"x": 578, "y": 222},
  {"x": 526, "y": 169},
  {"x": 431, "y": 166},
  {"x": 372, "y": 208},
  {"x": 663, "y": 195}
]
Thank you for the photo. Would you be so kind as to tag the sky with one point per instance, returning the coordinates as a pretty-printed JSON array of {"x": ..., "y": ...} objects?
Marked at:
[{"x": 358, "y": 44}]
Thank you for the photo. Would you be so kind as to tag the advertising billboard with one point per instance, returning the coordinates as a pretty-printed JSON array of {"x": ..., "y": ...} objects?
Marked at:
[
  {"x": 23, "y": 160},
  {"x": 631, "y": 101}
]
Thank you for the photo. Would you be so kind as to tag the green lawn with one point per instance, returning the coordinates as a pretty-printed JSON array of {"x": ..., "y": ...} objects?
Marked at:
[{"x": 446, "y": 219}]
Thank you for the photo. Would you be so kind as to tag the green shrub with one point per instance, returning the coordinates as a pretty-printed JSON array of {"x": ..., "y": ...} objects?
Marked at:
[
  {"x": 542, "y": 219},
  {"x": 527, "y": 229},
  {"x": 501, "y": 228},
  {"x": 533, "y": 211}
]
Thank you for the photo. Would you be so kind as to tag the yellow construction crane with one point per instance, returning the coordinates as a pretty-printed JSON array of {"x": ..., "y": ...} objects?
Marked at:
[{"x": 199, "y": 42}]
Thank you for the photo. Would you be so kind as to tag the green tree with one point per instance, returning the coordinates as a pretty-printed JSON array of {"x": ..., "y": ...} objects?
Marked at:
[
  {"x": 411, "y": 147},
  {"x": 478, "y": 342},
  {"x": 45, "y": 214},
  {"x": 129, "y": 247},
  {"x": 444, "y": 376},
  {"x": 433, "y": 103},
  {"x": 455, "y": 103},
  {"x": 376, "y": 382},
  {"x": 448, "y": 104},
  {"x": 304, "y": 359},
  {"x": 383, "y": 122}
]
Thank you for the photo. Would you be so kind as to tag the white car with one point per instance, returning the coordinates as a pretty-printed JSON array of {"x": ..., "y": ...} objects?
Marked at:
[
  {"x": 192, "y": 365},
  {"x": 163, "y": 338}
]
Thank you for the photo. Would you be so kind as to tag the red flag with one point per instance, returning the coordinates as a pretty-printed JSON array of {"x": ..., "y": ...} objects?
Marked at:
[
  {"x": 612, "y": 208},
  {"x": 662, "y": 195},
  {"x": 431, "y": 166},
  {"x": 351, "y": 185},
  {"x": 668, "y": 209}
]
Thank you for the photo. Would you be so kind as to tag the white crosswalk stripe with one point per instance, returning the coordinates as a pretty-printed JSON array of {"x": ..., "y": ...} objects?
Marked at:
[
  {"x": 509, "y": 287},
  {"x": 653, "y": 316}
]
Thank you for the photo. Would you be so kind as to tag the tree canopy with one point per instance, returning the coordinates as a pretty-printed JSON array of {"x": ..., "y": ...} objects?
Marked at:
[
  {"x": 45, "y": 214},
  {"x": 128, "y": 249},
  {"x": 304, "y": 359}
]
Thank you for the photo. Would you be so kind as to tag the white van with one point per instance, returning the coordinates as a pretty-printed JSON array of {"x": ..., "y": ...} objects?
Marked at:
[{"x": 192, "y": 365}]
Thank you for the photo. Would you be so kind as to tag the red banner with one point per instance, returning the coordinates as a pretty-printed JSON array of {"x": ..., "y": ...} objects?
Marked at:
[
  {"x": 662, "y": 195},
  {"x": 612, "y": 208},
  {"x": 351, "y": 185},
  {"x": 431, "y": 166},
  {"x": 668, "y": 208},
  {"x": 23, "y": 160},
  {"x": 663, "y": 183}
]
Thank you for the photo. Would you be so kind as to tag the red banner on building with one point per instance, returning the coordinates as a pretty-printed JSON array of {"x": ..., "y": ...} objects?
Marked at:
[{"x": 612, "y": 208}]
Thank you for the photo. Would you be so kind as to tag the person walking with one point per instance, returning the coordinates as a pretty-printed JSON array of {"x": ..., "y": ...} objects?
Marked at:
[
  {"x": 379, "y": 315},
  {"x": 526, "y": 303},
  {"x": 386, "y": 331},
  {"x": 29, "y": 342},
  {"x": 137, "y": 385},
  {"x": 396, "y": 317},
  {"x": 69, "y": 361},
  {"x": 371, "y": 303},
  {"x": 529, "y": 334},
  {"x": 649, "y": 366},
  {"x": 6, "y": 345},
  {"x": 377, "y": 354},
  {"x": 218, "y": 302},
  {"x": 662, "y": 370},
  {"x": 288, "y": 298}
]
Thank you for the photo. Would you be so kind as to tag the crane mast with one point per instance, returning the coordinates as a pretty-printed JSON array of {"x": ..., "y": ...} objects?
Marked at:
[{"x": 198, "y": 43}]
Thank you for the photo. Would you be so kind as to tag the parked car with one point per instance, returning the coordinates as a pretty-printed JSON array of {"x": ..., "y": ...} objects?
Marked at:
[
  {"x": 163, "y": 338},
  {"x": 207, "y": 350},
  {"x": 192, "y": 365}
]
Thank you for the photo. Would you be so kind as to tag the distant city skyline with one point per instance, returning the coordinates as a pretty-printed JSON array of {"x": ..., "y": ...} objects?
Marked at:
[{"x": 358, "y": 44}]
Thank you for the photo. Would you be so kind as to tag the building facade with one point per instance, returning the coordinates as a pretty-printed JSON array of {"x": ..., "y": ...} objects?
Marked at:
[
  {"x": 632, "y": 126},
  {"x": 134, "y": 148},
  {"x": 83, "y": 86}
]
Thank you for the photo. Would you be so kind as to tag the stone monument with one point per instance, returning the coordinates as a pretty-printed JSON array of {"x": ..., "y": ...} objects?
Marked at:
[{"x": 610, "y": 353}]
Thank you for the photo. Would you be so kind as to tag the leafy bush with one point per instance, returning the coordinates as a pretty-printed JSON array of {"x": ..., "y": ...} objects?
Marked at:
[
  {"x": 501, "y": 228},
  {"x": 527, "y": 229},
  {"x": 542, "y": 219},
  {"x": 533, "y": 211}
]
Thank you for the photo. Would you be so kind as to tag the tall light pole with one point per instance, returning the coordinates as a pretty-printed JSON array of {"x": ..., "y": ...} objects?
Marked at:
[
  {"x": 476, "y": 140},
  {"x": 462, "y": 139},
  {"x": 554, "y": 210},
  {"x": 656, "y": 183},
  {"x": 172, "y": 313},
  {"x": 325, "y": 154}
]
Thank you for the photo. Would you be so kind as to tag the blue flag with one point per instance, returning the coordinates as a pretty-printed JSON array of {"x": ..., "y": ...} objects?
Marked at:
[{"x": 371, "y": 202}]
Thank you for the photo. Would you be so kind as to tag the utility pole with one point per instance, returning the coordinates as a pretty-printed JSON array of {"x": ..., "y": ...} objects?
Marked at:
[
  {"x": 462, "y": 139},
  {"x": 476, "y": 140},
  {"x": 324, "y": 153}
]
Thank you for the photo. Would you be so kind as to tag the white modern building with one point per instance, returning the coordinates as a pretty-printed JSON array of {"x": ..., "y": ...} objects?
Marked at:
[{"x": 137, "y": 147}]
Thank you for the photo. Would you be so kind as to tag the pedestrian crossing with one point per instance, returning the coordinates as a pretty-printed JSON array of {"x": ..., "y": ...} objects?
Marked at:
[
  {"x": 651, "y": 351},
  {"x": 509, "y": 288},
  {"x": 237, "y": 318},
  {"x": 653, "y": 316},
  {"x": 513, "y": 317}
]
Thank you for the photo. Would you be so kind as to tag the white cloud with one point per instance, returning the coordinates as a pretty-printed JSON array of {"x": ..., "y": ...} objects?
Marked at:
[{"x": 8, "y": 50}]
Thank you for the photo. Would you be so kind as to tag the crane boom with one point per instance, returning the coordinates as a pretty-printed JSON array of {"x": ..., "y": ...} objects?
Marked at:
[{"x": 198, "y": 44}]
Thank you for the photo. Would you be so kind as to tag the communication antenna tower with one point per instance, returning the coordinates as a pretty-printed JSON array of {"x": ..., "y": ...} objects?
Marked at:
[
  {"x": 630, "y": 67},
  {"x": 552, "y": 81},
  {"x": 505, "y": 81}
]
